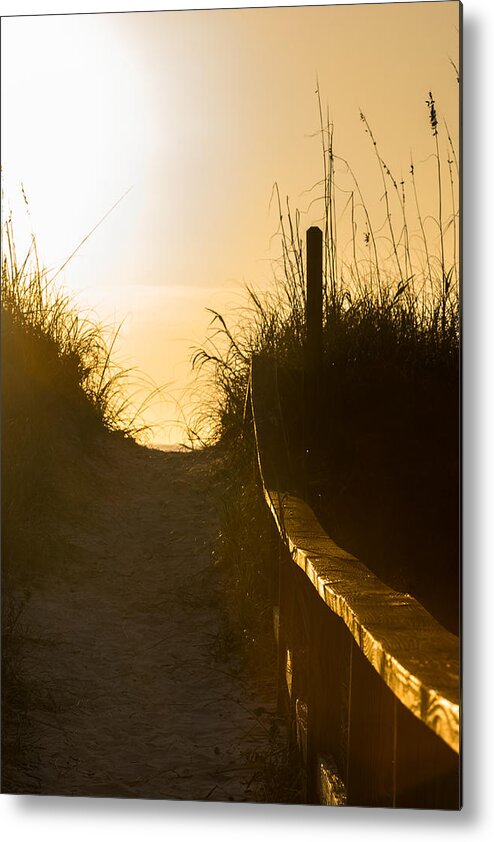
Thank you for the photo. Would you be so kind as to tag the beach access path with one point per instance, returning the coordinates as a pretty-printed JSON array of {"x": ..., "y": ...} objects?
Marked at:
[{"x": 132, "y": 695}]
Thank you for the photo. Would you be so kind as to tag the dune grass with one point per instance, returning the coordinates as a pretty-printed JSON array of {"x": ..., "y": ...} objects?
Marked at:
[
  {"x": 62, "y": 396},
  {"x": 61, "y": 390},
  {"x": 75, "y": 351},
  {"x": 387, "y": 481},
  {"x": 391, "y": 289}
]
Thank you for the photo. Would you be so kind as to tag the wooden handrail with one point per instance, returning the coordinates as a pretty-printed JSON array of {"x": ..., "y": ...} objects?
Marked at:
[{"x": 412, "y": 653}]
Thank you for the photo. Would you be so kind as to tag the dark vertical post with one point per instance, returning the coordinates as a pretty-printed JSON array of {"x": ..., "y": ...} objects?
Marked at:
[
  {"x": 314, "y": 298},
  {"x": 313, "y": 347}
]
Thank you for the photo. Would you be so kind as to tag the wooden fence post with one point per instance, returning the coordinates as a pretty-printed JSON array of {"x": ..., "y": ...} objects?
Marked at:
[
  {"x": 314, "y": 298},
  {"x": 313, "y": 346}
]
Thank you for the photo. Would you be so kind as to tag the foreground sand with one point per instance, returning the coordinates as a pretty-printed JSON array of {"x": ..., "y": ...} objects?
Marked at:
[{"x": 130, "y": 697}]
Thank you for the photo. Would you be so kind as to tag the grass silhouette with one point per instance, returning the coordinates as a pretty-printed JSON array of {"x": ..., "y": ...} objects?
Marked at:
[{"x": 387, "y": 478}]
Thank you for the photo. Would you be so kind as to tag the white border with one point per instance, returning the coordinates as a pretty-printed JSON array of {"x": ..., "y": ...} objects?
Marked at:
[{"x": 53, "y": 819}]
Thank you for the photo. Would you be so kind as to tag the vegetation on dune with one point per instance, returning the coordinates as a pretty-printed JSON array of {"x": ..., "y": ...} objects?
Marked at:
[
  {"x": 62, "y": 395},
  {"x": 395, "y": 300},
  {"x": 388, "y": 468},
  {"x": 61, "y": 351},
  {"x": 60, "y": 390}
]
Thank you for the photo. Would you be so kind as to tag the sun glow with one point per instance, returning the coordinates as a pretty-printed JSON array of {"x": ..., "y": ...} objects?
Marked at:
[
  {"x": 196, "y": 115},
  {"x": 77, "y": 133}
]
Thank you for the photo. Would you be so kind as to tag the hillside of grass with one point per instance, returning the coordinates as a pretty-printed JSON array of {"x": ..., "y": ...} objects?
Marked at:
[
  {"x": 384, "y": 474},
  {"x": 62, "y": 403},
  {"x": 60, "y": 396}
]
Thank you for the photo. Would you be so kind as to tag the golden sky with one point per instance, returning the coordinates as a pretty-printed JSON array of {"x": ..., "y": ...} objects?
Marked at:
[{"x": 200, "y": 112}]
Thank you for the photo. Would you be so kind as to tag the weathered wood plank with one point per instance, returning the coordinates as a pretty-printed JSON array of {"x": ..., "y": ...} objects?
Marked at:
[
  {"x": 414, "y": 655},
  {"x": 371, "y": 738},
  {"x": 328, "y": 693},
  {"x": 427, "y": 770}
]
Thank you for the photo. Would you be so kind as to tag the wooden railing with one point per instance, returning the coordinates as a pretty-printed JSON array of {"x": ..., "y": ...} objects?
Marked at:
[{"x": 369, "y": 679}]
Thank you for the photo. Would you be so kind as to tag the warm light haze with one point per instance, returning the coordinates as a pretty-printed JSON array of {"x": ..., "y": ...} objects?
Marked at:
[{"x": 231, "y": 391}]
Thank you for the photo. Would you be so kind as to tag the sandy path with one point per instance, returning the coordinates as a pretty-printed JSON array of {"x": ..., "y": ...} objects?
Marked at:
[{"x": 131, "y": 700}]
